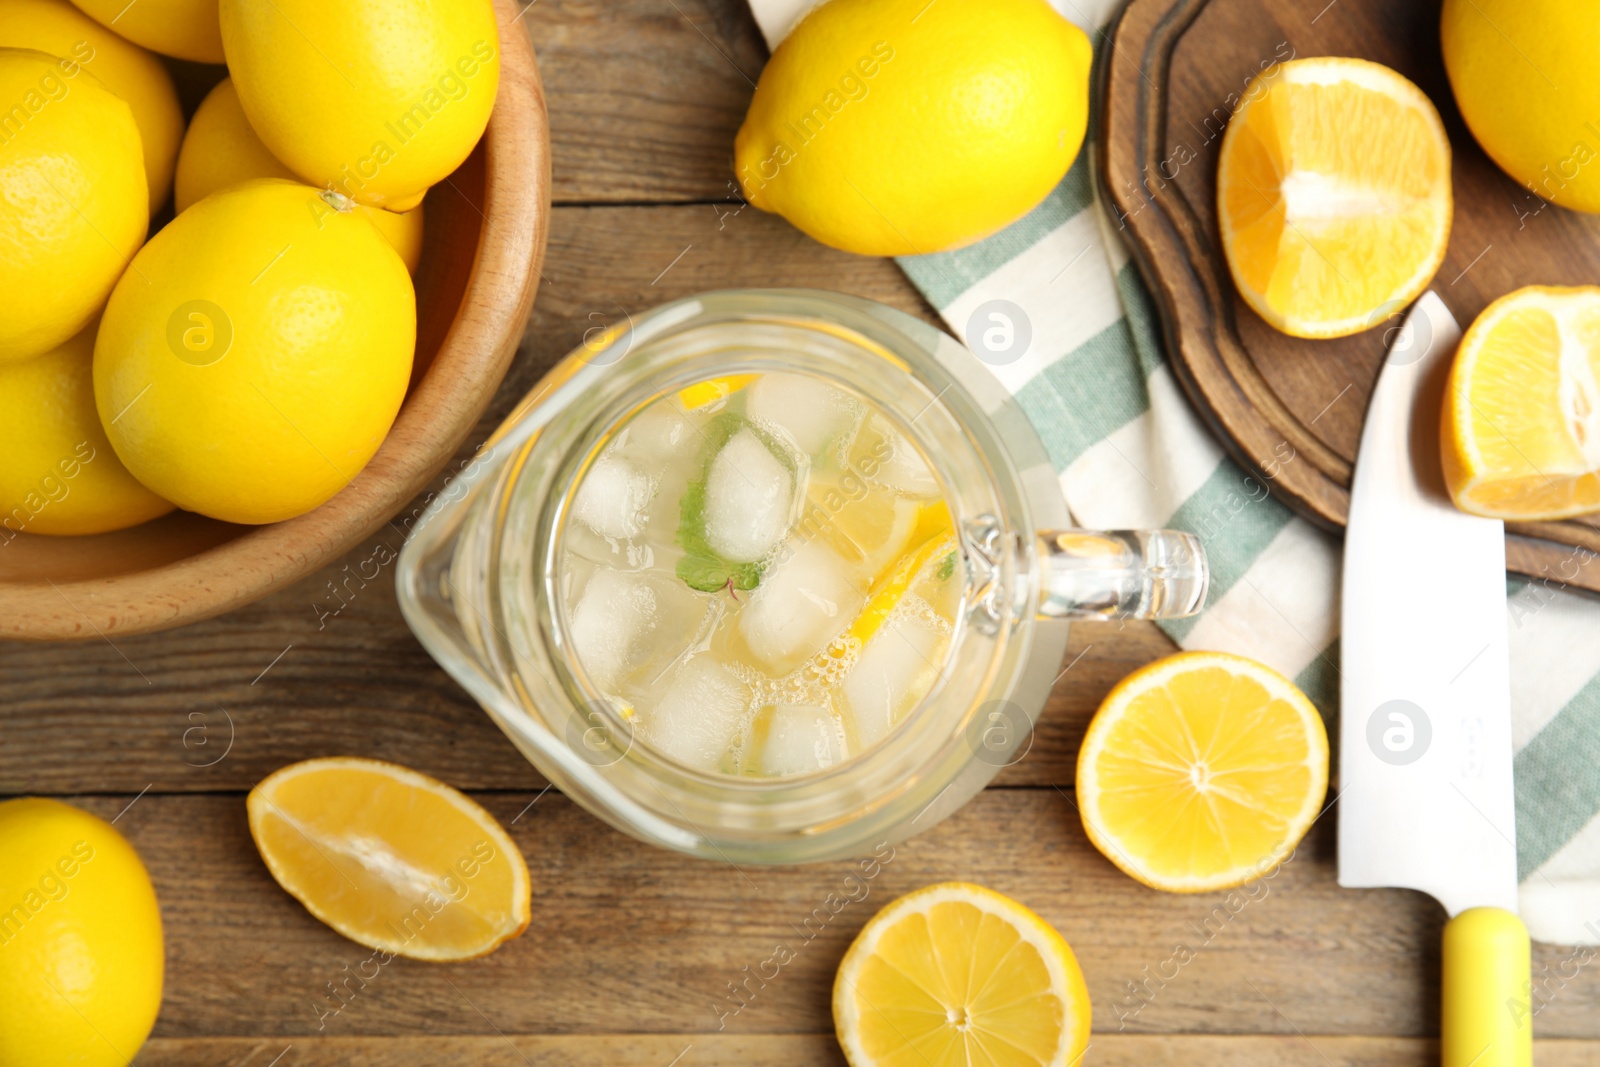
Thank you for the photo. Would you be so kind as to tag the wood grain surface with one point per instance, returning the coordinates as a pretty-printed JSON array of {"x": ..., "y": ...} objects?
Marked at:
[
  {"x": 631, "y": 951},
  {"x": 1289, "y": 408}
]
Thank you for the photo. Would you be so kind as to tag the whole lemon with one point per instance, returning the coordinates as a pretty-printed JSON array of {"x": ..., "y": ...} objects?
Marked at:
[
  {"x": 221, "y": 149},
  {"x": 58, "y": 473},
  {"x": 375, "y": 99},
  {"x": 74, "y": 204},
  {"x": 58, "y": 28},
  {"x": 183, "y": 28},
  {"x": 896, "y": 127},
  {"x": 81, "y": 957},
  {"x": 1523, "y": 72},
  {"x": 255, "y": 354}
]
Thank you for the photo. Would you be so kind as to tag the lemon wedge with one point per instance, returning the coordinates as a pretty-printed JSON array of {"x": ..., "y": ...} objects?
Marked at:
[
  {"x": 1521, "y": 425},
  {"x": 391, "y": 858}
]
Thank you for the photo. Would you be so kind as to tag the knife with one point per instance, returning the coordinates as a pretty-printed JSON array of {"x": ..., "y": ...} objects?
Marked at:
[{"x": 1425, "y": 796}]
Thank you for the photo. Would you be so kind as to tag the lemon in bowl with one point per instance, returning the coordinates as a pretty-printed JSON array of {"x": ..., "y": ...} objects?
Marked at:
[
  {"x": 57, "y": 28},
  {"x": 58, "y": 473},
  {"x": 376, "y": 99},
  {"x": 186, "y": 29},
  {"x": 81, "y": 956},
  {"x": 75, "y": 202},
  {"x": 221, "y": 150},
  {"x": 256, "y": 352},
  {"x": 898, "y": 127}
]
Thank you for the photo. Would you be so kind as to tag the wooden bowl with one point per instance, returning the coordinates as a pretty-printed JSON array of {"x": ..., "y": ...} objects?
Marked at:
[{"x": 484, "y": 243}]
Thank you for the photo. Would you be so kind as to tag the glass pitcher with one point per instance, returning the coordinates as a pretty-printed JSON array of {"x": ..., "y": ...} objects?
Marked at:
[{"x": 477, "y": 578}]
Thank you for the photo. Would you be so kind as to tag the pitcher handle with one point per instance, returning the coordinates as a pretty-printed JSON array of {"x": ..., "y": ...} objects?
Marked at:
[{"x": 1121, "y": 574}]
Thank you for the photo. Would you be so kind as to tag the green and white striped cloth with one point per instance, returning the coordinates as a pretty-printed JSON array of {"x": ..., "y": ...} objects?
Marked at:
[{"x": 1132, "y": 453}]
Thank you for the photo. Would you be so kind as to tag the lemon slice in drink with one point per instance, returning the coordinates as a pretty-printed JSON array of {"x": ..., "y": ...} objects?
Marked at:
[
  {"x": 934, "y": 539},
  {"x": 955, "y": 975},
  {"x": 874, "y": 530},
  {"x": 1202, "y": 771},
  {"x": 1521, "y": 427},
  {"x": 703, "y": 394},
  {"x": 390, "y": 858}
]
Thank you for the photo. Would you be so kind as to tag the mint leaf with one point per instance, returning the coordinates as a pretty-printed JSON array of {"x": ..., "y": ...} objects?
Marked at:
[
  {"x": 712, "y": 575},
  {"x": 947, "y": 567}
]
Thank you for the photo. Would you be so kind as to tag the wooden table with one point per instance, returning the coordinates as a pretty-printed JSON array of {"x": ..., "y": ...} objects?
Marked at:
[{"x": 631, "y": 952}]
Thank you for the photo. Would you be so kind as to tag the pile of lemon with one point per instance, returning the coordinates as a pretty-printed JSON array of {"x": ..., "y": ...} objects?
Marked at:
[{"x": 247, "y": 359}]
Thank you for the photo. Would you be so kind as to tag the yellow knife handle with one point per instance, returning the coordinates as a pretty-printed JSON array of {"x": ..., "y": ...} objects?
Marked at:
[{"x": 1486, "y": 997}]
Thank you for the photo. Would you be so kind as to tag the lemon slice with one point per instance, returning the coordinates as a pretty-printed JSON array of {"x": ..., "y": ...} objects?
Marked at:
[
  {"x": 703, "y": 394},
  {"x": 1521, "y": 426},
  {"x": 956, "y": 975},
  {"x": 391, "y": 858},
  {"x": 1333, "y": 195},
  {"x": 873, "y": 531},
  {"x": 1202, "y": 771},
  {"x": 934, "y": 537}
]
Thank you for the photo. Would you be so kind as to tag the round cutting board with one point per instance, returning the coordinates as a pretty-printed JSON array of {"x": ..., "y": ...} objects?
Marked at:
[{"x": 1170, "y": 73}]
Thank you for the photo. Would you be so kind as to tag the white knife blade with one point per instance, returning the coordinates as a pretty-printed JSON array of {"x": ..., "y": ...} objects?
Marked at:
[{"x": 1425, "y": 750}]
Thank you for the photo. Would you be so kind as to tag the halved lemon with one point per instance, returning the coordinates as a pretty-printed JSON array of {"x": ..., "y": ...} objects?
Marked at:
[
  {"x": 1202, "y": 771},
  {"x": 1333, "y": 195},
  {"x": 955, "y": 975},
  {"x": 391, "y": 858},
  {"x": 1521, "y": 425}
]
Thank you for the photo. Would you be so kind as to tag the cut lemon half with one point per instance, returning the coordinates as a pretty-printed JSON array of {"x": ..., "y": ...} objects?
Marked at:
[
  {"x": 1333, "y": 195},
  {"x": 1202, "y": 771},
  {"x": 390, "y": 858},
  {"x": 1520, "y": 433},
  {"x": 955, "y": 975}
]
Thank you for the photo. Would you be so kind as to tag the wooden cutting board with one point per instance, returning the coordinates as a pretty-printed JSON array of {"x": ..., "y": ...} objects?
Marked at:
[{"x": 1291, "y": 409}]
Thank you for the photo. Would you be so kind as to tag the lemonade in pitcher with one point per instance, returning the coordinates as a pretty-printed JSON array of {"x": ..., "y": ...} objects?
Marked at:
[
  {"x": 761, "y": 573},
  {"x": 771, "y": 576}
]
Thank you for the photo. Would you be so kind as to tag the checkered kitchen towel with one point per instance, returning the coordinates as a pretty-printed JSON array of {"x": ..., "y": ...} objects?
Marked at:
[{"x": 1130, "y": 452}]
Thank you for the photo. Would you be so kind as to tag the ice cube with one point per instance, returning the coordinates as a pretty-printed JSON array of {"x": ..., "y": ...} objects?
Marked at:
[
  {"x": 614, "y": 611},
  {"x": 807, "y": 410},
  {"x": 700, "y": 715},
  {"x": 679, "y": 623},
  {"x": 895, "y": 670},
  {"x": 801, "y": 738},
  {"x": 904, "y": 470},
  {"x": 749, "y": 497},
  {"x": 802, "y": 603},
  {"x": 614, "y": 499},
  {"x": 658, "y": 435}
]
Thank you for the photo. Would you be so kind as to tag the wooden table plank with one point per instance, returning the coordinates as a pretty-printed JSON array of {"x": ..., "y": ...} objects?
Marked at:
[
  {"x": 628, "y": 939},
  {"x": 645, "y": 96},
  {"x": 328, "y": 666},
  {"x": 790, "y": 1050}
]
